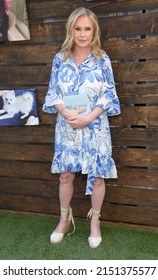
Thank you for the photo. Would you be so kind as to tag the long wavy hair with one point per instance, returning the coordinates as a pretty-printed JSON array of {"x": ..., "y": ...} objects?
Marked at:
[{"x": 68, "y": 44}]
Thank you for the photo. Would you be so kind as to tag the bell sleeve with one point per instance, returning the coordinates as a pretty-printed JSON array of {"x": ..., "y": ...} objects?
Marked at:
[
  {"x": 53, "y": 96},
  {"x": 108, "y": 99}
]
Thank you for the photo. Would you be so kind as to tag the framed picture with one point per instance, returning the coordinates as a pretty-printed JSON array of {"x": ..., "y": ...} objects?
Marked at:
[
  {"x": 14, "y": 24},
  {"x": 18, "y": 107}
]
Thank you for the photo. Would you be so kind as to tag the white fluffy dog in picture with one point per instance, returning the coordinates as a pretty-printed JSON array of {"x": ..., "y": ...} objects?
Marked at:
[{"x": 13, "y": 104}]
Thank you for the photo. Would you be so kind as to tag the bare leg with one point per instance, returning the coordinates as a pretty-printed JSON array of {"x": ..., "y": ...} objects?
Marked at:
[
  {"x": 65, "y": 196},
  {"x": 97, "y": 198}
]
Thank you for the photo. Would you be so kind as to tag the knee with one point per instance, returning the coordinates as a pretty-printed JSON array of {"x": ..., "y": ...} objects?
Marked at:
[
  {"x": 99, "y": 182},
  {"x": 66, "y": 178}
]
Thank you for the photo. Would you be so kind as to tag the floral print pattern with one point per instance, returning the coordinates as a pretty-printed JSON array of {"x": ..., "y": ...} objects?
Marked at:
[{"x": 87, "y": 150}]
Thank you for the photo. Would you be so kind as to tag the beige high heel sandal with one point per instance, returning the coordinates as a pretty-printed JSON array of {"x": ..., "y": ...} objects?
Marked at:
[
  {"x": 94, "y": 242},
  {"x": 57, "y": 237}
]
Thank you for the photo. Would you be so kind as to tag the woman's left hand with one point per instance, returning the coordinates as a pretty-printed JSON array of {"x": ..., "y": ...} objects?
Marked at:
[{"x": 79, "y": 121}]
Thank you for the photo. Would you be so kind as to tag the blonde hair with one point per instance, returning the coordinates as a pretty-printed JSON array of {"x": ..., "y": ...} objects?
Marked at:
[{"x": 68, "y": 44}]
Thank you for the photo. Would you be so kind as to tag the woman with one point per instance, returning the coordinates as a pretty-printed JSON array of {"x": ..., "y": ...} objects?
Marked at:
[{"x": 82, "y": 74}]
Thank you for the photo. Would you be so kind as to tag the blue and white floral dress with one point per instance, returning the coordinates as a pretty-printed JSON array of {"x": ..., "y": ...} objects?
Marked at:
[{"x": 86, "y": 150}]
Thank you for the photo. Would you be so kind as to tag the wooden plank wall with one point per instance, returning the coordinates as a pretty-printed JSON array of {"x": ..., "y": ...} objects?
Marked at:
[{"x": 130, "y": 37}]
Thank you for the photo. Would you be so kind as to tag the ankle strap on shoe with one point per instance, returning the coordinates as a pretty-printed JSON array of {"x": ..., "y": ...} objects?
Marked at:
[
  {"x": 71, "y": 219},
  {"x": 68, "y": 211},
  {"x": 93, "y": 214},
  {"x": 64, "y": 210}
]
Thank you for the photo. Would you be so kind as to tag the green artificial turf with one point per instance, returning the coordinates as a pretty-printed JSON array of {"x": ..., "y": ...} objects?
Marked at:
[{"x": 26, "y": 237}]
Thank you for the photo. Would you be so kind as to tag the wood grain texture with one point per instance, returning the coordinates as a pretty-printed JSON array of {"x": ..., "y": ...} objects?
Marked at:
[{"x": 129, "y": 36}]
